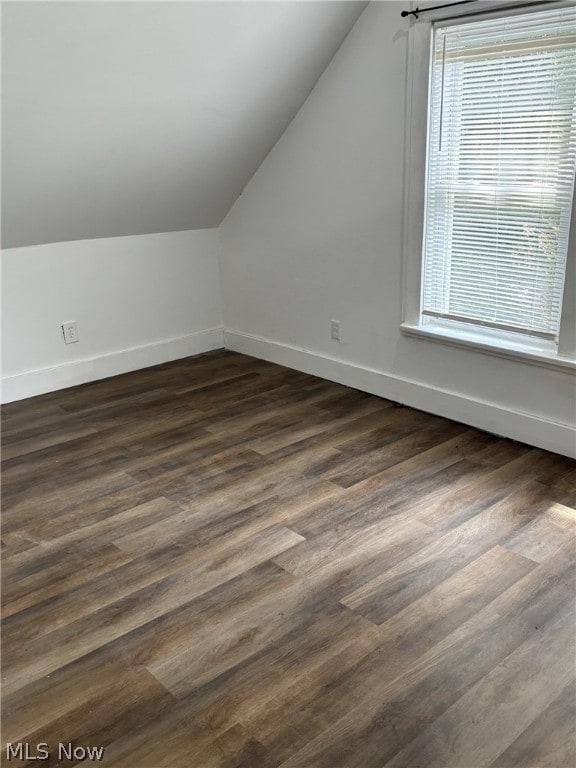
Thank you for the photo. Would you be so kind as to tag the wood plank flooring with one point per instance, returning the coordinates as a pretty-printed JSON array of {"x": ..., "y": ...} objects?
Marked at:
[{"x": 223, "y": 563}]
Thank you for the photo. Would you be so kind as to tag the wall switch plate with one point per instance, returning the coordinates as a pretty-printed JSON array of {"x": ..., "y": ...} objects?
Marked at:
[
  {"x": 335, "y": 330},
  {"x": 70, "y": 332}
]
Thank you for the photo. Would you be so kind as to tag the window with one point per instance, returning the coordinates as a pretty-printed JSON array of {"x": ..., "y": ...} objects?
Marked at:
[{"x": 501, "y": 156}]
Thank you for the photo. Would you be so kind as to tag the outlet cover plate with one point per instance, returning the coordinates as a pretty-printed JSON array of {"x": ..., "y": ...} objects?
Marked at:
[
  {"x": 335, "y": 330},
  {"x": 70, "y": 332}
]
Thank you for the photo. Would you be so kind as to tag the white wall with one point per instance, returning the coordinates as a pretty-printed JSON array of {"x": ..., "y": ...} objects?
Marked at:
[
  {"x": 317, "y": 235},
  {"x": 138, "y": 301}
]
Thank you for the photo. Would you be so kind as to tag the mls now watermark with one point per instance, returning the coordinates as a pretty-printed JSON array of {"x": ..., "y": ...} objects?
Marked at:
[{"x": 22, "y": 750}]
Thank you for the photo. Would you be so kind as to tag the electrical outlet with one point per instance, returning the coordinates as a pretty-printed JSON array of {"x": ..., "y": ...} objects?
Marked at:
[
  {"x": 335, "y": 330},
  {"x": 70, "y": 332}
]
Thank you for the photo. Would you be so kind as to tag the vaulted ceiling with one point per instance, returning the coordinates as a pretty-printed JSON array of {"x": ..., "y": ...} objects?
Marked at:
[{"x": 125, "y": 118}]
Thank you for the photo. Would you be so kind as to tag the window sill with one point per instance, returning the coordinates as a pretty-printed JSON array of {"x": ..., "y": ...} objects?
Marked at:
[{"x": 544, "y": 359}]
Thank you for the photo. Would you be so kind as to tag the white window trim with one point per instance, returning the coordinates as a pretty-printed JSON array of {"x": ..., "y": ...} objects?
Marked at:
[{"x": 416, "y": 121}]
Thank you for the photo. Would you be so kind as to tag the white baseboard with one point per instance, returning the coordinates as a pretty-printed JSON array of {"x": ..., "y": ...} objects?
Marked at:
[
  {"x": 525, "y": 427},
  {"x": 38, "y": 382}
]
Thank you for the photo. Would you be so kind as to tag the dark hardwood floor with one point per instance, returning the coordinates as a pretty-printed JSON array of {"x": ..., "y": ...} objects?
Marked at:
[{"x": 222, "y": 563}]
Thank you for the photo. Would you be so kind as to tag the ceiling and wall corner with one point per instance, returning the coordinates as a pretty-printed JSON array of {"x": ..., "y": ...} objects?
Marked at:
[
  {"x": 128, "y": 118},
  {"x": 317, "y": 236}
]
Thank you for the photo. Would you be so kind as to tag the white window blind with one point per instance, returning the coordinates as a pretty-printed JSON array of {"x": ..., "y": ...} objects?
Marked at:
[{"x": 500, "y": 172}]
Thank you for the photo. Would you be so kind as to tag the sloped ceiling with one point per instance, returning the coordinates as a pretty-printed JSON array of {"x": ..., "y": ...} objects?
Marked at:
[{"x": 126, "y": 118}]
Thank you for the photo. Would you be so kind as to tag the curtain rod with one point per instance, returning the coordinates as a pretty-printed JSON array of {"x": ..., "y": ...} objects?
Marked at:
[
  {"x": 416, "y": 11},
  {"x": 506, "y": 7}
]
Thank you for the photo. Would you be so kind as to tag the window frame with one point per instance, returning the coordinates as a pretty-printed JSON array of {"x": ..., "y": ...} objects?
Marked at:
[{"x": 420, "y": 36}]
